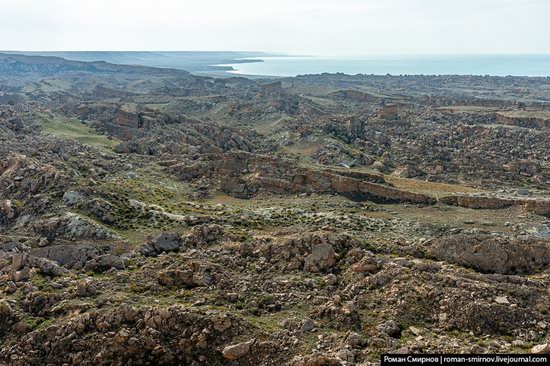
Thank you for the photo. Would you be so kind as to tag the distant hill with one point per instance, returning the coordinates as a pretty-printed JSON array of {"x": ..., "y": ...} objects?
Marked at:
[
  {"x": 17, "y": 64},
  {"x": 193, "y": 61}
]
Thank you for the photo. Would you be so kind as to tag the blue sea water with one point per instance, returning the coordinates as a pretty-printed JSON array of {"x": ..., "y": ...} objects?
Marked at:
[{"x": 496, "y": 65}]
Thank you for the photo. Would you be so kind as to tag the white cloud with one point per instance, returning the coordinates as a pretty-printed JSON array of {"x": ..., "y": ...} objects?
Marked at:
[{"x": 307, "y": 26}]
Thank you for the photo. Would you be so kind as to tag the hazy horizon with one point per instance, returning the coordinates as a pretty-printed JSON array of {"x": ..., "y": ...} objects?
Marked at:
[
  {"x": 319, "y": 28},
  {"x": 264, "y": 64}
]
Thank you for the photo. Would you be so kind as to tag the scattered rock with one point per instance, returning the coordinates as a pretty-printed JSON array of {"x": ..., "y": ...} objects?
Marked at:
[
  {"x": 502, "y": 300},
  {"x": 541, "y": 349},
  {"x": 390, "y": 328},
  {"x": 71, "y": 198},
  {"x": 86, "y": 289},
  {"x": 307, "y": 326},
  {"x": 237, "y": 351}
]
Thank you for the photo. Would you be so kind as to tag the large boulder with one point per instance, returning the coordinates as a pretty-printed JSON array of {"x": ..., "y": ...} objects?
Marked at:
[
  {"x": 492, "y": 254},
  {"x": 236, "y": 351},
  {"x": 161, "y": 243},
  {"x": 72, "y": 256},
  {"x": 166, "y": 242},
  {"x": 495, "y": 318},
  {"x": 105, "y": 262},
  {"x": 322, "y": 257},
  {"x": 72, "y": 226},
  {"x": 541, "y": 349}
]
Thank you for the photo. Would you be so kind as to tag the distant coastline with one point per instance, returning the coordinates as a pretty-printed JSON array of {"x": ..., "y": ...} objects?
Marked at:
[{"x": 492, "y": 65}]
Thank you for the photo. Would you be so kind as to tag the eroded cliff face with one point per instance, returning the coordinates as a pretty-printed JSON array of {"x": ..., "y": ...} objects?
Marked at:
[
  {"x": 244, "y": 174},
  {"x": 522, "y": 121},
  {"x": 539, "y": 206}
]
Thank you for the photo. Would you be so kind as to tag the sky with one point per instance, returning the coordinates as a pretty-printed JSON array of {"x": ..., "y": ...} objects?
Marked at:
[{"x": 311, "y": 27}]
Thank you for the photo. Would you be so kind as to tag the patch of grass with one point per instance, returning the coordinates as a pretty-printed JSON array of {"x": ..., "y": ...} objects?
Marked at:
[
  {"x": 267, "y": 322},
  {"x": 74, "y": 129},
  {"x": 37, "y": 323},
  {"x": 428, "y": 188},
  {"x": 527, "y": 114}
]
